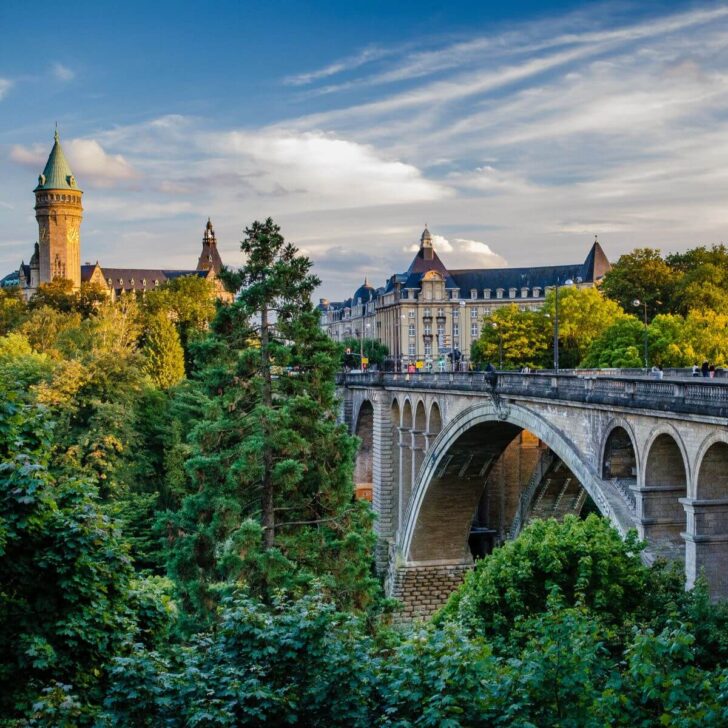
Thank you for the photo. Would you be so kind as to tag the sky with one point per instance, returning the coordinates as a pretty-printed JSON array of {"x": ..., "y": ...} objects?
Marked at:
[{"x": 516, "y": 131}]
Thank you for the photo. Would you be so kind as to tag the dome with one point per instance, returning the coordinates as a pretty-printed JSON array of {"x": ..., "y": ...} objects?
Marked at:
[{"x": 365, "y": 292}]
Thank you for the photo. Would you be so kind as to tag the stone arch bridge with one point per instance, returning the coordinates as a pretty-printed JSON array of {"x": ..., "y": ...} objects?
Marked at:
[{"x": 456, "y": 466}]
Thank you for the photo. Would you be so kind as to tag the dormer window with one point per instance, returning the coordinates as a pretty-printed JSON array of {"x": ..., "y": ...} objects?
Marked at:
[
  {"x": 486, "y": 293},
  {"x": 473, "y": 294},
  {"x": 156, "y": 282},
  {"x": 524, "y": 292},
  {"x": 511, "y": 293},
  {"x": 499, "y": 293},
  {"x": 121, "y": 282},
  {"x": 144, "y": 282},
  {"x": 536, "y": 292}
]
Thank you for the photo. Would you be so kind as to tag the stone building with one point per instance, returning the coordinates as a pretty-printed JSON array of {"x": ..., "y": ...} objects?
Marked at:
[
  {"x": 57, "y": 254},
  {"x": 430, "y": 310}
]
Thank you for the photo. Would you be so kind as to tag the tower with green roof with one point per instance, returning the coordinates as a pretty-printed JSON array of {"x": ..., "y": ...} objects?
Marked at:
[{"x": 59, "y": 214}]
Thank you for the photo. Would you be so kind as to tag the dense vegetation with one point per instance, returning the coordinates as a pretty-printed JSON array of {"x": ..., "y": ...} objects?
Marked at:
[
  {"x": 180, "y": 546},
  {"x": 686, "y": 297}
]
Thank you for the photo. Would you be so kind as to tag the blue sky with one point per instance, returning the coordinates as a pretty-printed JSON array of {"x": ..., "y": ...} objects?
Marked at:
[{"x": 517, "y": 131}]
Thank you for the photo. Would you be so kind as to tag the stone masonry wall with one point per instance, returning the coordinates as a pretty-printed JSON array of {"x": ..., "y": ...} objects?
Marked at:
[{"x": 422, "y": 590}]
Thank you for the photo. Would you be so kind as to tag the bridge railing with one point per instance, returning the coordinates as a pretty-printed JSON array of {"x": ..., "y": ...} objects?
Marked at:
[{"x": 676, "y": 394}]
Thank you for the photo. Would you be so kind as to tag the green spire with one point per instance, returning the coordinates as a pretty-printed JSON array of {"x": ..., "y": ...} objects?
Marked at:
[{"x": 57, "y": 174}]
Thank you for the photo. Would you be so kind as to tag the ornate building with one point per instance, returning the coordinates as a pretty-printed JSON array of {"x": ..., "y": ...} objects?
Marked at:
[
  {"x": 57, "y": 253},
  {"x": 430, "y": 310}
]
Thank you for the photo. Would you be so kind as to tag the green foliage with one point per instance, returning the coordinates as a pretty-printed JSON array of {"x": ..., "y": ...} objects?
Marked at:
[
  {"x": 620, "y": 346},
  {"x": 68, "y": 601},
  {"x": 13, "y": 309},
  {"x": 641, "y": 275},
  {"x": 162, "y": 351},
  {"x": 374, "y": 350},
  {"x": 524, "y": 337},
  {"x": 270, "y": 498},
  {"x": 585, "y": 562}
]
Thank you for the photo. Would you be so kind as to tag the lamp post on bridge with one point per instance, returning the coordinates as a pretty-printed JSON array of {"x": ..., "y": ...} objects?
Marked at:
[
  {"x": 495, "y": 328},
  {"x": 567, "y": 282},
  {"x": 637, "y": 303}
]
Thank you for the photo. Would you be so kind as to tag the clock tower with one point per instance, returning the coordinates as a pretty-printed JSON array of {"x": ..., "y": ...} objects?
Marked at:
[{"x": 59, "y": 213}]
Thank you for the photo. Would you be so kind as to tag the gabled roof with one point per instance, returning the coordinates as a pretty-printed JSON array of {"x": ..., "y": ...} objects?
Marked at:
[
  {"x": 57, "y": 173},
  {"x": 139, "y": 276}
]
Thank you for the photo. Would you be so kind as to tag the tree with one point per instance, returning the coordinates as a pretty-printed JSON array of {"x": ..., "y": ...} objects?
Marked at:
[
  {"x": 270, "y": 502},
  {"x": 619, "y": 346},
  {"x": 584, "y": 314},
  {"x": 522, "y": 336},
  {"x": 585, "y": 562},
  {"x": 12, "y": 309},
  {"x": 641, "y": 275},
  {"x": 162, "y": 351},
  {"x": 68, "y": 598},
  {"x": 374, "y": 350}
]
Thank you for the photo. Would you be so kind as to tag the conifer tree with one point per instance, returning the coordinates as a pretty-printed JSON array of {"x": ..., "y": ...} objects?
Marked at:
[
  {"x": 270, "y": 503},
  {"x": 163, "y": 354}
]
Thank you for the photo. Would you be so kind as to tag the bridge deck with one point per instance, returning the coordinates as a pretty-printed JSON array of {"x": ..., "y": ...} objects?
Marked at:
[{"x": 698, "y": 396}]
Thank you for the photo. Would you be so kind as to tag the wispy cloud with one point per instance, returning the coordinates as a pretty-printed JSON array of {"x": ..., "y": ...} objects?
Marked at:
[
  {"x": 5, "y": 85},
  {"x": 62, "y": 73}
]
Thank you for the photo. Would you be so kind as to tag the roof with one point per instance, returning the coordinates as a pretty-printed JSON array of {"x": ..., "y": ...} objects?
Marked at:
[
  {"x": 142, "y": 278},
  {"x": 210, "y": 256},
  {"x": 365, "y": 292},
  {"x": 13, "y": 278},
  {"x": 57, "y": 173}
]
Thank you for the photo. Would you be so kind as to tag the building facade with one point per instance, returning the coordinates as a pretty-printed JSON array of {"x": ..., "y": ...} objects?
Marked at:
[
  {"x": 57, "y": 254},
  {"x": 429, "y": 310}
]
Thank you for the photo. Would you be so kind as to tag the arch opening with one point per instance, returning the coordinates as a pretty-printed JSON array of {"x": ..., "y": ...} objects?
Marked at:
[
  {"x": 661, "y": 513},
  {"x": 619, "y": 461},
  {"x": 434, "y": 423},
  {"x": 492, "y": 472},
  {"x": 394, "y": 421},
  {"x": 364, "y": 464},
  {"x": 405, "y": 458}
]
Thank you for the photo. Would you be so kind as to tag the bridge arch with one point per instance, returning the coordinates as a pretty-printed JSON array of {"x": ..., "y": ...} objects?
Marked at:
[
  {"x": 434, "y": 421},
  {"x": 364, "y": 464},
  {"x": 450, "y": 482},
  {"x": 711, "y": 467},
  {"x": 619, "y": 455},
  {"x": 665, "y": 480}
]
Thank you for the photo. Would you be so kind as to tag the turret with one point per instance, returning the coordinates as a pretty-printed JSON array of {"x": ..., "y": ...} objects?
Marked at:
[
  {"x": 210, "y": 256},
  {"x": 59, "y": 213}
]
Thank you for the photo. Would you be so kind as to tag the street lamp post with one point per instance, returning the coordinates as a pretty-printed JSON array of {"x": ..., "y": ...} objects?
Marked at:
[
  {"x": 567, "y": 282},
  {"x": 495, "y": 328},
  {"x": 637, "y": 303}
]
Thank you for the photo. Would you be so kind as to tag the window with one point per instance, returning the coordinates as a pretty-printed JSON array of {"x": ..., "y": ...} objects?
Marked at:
[
  {"x": 499, "y": 293},
  {"x": 486, "y": 293},
  {"x": 428, "y": 349},
  {"x": 474, "y": 312},
  {"x": 441, "y": 312},
  {"x": 412, "y": 350},
  {"x": 456, "y": 343},
  {"x": 412, "y": 331},
  {"x": 474, "y": 331},
  {"x": 428, "y": 330},
  {"x": 456, "y": 329},
  {"x": 473, "y": 293},
  {"x": 524, "y": 292},
  {"x": 428, "y": 312},
  {"x": 411, "y": 314},
  {"x": 511, "y": 293},
  {"x": 440, "y": 329},
  {"x": 536, "y": 292}
]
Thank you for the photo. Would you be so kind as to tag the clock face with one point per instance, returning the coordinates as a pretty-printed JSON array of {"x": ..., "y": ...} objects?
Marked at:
[
  {"x": 72, "y": 236},
  {"x": 43, "y": 234}
]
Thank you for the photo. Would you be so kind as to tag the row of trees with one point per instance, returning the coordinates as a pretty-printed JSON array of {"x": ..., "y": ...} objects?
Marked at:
[{"x": 687, "y": 312}]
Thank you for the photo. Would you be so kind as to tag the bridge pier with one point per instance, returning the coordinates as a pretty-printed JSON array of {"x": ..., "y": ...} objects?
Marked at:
[
  {"x": 423, "y": 588},
  {"x": 384, "y": 487},
  {"x": 706, "y": 544}
]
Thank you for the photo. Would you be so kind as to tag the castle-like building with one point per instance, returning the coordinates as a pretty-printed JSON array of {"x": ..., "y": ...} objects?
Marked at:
[
  {"x": 57, "y": 255},
  {"x": 430, "y": 310}
]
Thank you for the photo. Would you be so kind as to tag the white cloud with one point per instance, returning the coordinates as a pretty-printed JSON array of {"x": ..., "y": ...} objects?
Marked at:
[
  {"x": 87, "y": 158},
  {"x": 62, "y": 73},
  {"x": 5, "y": 85},
  {"x": 463, "y": 253},
  {"x": 323, "y": 170}
]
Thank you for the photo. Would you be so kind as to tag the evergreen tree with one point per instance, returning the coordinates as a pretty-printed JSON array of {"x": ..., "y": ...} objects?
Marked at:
[
  {"x": 164, "y": 359},
  {"x": 271, "y": 503}
]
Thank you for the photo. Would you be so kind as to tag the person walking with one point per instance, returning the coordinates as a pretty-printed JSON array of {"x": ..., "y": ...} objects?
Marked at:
[
  {"x": 705, "y": 369},
  {"x": 711, "y": 371},
  {"x": 491, "y": 375},
  {"x": 696, "y": 370}
]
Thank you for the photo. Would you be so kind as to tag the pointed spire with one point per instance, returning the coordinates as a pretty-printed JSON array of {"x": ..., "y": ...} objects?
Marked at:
[{"x": 57, "y": 173}]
